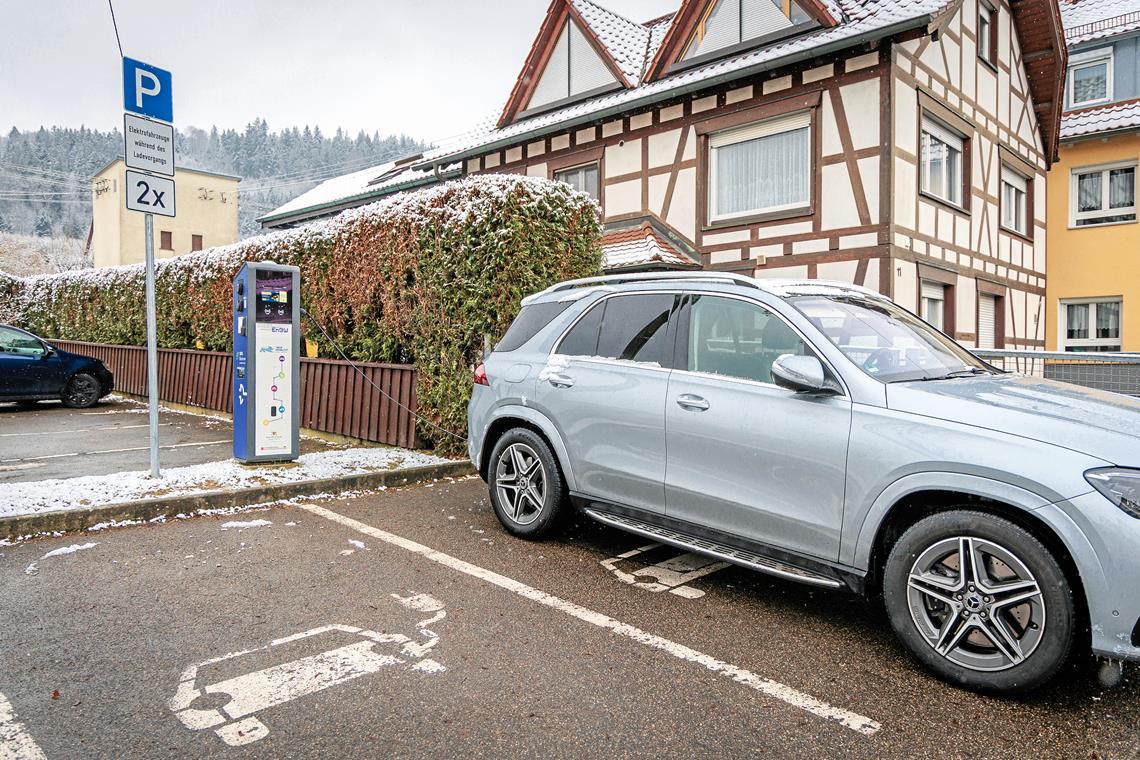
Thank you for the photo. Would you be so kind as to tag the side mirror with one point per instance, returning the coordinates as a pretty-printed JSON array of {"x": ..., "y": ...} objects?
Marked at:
[
  {"x": 48, "y": 351},
  {"x": 803, "y": 374}
]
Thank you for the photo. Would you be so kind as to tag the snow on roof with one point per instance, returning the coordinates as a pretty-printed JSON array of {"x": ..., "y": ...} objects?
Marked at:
[
  {"x": 1087, "y": 20},
  {"x": 1107, "y": 118},
  {"x": 861, "y": 19},
  {"x": 640, "y": 247},
  {"x": 359, "y": 185},
  {"x": 625, "y": 40}
]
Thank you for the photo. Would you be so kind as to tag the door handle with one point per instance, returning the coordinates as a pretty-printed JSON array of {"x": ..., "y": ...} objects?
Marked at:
[
  {"x": 692, "y": 402},
  {"x": 560, "y": 381}
]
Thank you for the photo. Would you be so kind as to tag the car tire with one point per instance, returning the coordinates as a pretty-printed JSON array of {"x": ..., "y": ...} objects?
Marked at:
[
  {"x": 82, "y": 391},
  {"x": 526, "y": 486},
  {"x": 1005, "y": 625}
]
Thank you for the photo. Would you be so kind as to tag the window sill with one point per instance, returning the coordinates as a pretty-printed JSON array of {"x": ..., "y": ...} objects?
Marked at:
[
  {"x": 943, "y": 202},
  {"x": 1095, "y": 225},
  {"x": 1023, "y": 236},
  {"x": 991, "y": 65},
  {"x": 1089, "y": 104},
  {"x": 764, "y": 216}
]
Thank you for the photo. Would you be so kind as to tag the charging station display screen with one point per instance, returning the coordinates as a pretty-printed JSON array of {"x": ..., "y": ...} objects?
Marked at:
[{"x": 273, "y": 298}]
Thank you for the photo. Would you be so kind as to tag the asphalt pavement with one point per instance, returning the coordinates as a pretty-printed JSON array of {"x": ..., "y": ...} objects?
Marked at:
[
  {"x": 51, "y": 441},
  {"x": 408, "y": 624}
]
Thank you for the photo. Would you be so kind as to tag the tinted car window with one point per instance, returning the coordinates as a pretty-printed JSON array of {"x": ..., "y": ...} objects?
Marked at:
[
  {"x": 738, "y": 339},
  {"x": 635, "y": 328},
  {"x": 16, "y": 342},
  {"x": 530, "y": 320},
  {"x": 582, "y": 340}
]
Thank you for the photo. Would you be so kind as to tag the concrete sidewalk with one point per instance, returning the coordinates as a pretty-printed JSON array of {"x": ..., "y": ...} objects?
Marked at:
[{"x": 52, "y": 441}]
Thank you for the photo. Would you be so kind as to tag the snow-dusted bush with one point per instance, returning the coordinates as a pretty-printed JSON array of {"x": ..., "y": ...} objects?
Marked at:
[
  {"x": 11, "y": 299},
  {"x": 418, "y": 278}
]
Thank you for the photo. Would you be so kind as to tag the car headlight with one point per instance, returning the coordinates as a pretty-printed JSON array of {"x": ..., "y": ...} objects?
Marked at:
[{"x": 1118, "y": 485}]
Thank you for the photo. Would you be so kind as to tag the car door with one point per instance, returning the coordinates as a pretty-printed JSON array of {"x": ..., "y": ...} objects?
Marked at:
[
  {"x": 746, "y": 456},
  {"x": 604, "y": 387},
  {"x": 26, "y": 368}
]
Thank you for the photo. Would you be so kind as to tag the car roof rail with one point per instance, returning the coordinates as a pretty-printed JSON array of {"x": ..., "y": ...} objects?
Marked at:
[{"x": 616, "y": 279}]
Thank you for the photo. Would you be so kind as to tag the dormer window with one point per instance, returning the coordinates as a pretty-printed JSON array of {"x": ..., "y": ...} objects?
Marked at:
[
  {"x": 574, "y": 70},
  {"x": 731, "y": 23},
  {"x": 1090, "y": 77}
]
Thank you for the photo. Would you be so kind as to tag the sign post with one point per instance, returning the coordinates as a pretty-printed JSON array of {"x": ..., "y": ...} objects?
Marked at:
[{"x": 148, "y": 146}]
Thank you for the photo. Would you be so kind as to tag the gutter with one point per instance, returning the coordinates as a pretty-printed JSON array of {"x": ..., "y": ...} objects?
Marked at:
[{"x": 703, "y": 84}]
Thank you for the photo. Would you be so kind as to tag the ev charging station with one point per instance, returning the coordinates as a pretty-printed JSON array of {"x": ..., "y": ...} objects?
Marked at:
[{"x": 267, "y": 362}]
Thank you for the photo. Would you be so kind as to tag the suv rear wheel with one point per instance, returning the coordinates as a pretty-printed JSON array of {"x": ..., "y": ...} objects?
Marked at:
[
  {"x": 980, "y": 601},
  {"x": 527, "y": 490}
]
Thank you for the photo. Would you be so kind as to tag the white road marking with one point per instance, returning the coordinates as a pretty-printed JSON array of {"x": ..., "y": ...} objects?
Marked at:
[
  {"x": 858, "y": 723},
  {"x": 80, "y": 430},
  {"x": 235, "y": 722},
  {"x": 116, "y": 451},
  {"x": 15, "y": 741},
  {"x": 670, "y": 574}
]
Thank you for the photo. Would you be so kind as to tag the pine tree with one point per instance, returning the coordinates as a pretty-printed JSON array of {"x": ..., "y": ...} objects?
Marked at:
[
  {"x": 43, "y": 225},
  {"x": 5, "y": 225}
]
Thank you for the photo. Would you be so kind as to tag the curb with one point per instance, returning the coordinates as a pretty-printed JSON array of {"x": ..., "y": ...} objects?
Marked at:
[{"x": 71, "y": 520}]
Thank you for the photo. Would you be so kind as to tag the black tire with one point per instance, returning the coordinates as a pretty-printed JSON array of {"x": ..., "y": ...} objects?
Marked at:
[
  {"x": 82, "y": 391},
  {"x": 1041, "y": 630},
  {"x": 527, "y": 521}
]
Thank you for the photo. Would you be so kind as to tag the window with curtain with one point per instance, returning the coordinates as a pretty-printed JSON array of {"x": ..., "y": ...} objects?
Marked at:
[
  {"x": 1091, "y": 325},
  {"x": 582, "y": 178},
  {"x": 1090, "y": 78},
  {"x": 1103, "y": 195},
  {"x": 1014, "y": 201},
  {"x": 941, "y": 161},
  {"x": 760, "y": 168}
]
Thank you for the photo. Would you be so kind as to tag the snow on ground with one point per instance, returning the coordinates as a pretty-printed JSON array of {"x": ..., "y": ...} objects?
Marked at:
[
  {"x": 245, "y": 524},
  {"x": 69, "y": 549},
  {"x": 92, "y": 490}
]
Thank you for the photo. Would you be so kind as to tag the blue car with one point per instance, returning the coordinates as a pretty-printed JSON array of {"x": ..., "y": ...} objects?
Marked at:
[{"x": 31, "y": 370}]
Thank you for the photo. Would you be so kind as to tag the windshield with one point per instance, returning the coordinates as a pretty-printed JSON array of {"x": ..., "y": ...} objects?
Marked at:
[{"x": 886, "y": 341}]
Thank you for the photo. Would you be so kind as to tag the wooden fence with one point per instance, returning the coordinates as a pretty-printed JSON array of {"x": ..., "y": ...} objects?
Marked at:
[{"x": 335, "y": 398}]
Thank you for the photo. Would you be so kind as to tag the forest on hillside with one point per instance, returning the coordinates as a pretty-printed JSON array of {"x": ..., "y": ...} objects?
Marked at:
[{"x": 45, "y": 174}]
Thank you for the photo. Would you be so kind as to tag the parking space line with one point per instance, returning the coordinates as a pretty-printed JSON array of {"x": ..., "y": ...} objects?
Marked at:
[
  {"x": 81, "y": 430},
  {"x": 116, "y": 451},
  {"x": 15, "y": 741},
  {"x": 858, "y": 723}
]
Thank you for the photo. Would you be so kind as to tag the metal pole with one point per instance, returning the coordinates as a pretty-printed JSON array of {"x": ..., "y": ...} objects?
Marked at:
[{"x": 151, "y": 347}]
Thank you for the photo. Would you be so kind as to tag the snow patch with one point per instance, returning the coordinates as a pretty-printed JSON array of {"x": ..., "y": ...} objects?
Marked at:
[
  {"x": 246, "y": 524},
  {"x": 70, "y": 549}
]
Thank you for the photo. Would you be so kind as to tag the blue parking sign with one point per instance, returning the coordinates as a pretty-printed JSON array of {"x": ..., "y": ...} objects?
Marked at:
[{"x": 147, "y": 90}]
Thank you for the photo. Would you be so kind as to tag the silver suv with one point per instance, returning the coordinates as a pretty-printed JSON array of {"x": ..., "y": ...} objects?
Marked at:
[{"x": 819, "y": 432}]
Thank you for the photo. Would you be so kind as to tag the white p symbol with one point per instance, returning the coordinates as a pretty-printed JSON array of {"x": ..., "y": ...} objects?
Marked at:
[{"x": 153, "y": 87}]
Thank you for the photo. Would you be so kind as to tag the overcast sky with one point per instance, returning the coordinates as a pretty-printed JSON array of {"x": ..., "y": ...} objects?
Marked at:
[{"x": 427, "y": 68}]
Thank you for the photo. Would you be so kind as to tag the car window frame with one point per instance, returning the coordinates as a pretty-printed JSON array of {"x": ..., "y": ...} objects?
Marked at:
[
  {"x": 670, "y": 328},
  {"x": 681, "y": 347},
  {"x": 44, "y": 347}
]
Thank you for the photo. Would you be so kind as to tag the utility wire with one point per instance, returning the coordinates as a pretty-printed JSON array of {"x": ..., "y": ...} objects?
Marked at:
[
  {"x": 116, "y": 25},
  {"x": 368, "y": 380}
]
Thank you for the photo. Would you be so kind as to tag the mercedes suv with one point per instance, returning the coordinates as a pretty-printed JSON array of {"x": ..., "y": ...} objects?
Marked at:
[{"x": 821, "y": 433}]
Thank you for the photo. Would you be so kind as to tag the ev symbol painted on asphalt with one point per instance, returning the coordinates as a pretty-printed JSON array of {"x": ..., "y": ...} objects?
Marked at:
[
  {"x": 147, "y": 90},
  {"x": 150, "y": 194}
]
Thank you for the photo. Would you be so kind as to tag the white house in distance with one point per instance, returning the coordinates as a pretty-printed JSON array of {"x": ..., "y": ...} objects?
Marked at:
[{"x": 897, "y": 144}]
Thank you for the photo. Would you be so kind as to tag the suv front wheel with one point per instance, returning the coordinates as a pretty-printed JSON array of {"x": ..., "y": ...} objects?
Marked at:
[
  {"x": 527, "y": 490},
  {"x": 980, "y": 601}
]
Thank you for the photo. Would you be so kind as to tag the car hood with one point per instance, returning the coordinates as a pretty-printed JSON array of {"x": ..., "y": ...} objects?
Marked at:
[{"x": 1101, "y": 424}]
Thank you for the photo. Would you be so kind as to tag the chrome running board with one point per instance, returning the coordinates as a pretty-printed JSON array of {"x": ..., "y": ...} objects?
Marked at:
[{"x": 731, "y": 554}]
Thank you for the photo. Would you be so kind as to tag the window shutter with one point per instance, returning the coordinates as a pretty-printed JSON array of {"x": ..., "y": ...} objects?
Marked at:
[
  {"x": 722, "y": 28},
  {"x": 554, "y": 83},
  {"x": 933, "y": 290},
  {"x": 1010, "y": 177},
  {"x": 587, "y": 69},
  {"x": 760, "y": 17},
  {"x": 761, "y": 129},
  {"x": 987, "y": 320}
]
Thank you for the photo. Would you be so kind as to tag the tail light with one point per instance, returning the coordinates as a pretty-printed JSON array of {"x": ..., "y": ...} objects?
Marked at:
[{"x": 481, "y": 374}]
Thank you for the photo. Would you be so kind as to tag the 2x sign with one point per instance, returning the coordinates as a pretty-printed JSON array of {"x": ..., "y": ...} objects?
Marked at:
[{"x": 150, "y": 194}]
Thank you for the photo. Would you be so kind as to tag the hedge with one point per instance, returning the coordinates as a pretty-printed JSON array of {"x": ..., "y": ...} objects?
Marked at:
[{"x": 418, "y": 278}]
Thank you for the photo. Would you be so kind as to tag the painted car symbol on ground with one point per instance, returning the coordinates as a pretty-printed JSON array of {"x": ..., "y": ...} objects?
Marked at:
[
  {"x": 236, "y": 722},
  {"x": 669, "y": 574}
]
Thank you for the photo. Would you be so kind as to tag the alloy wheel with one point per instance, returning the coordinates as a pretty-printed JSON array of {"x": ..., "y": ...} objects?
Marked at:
[
  {"x": 83, "y": 390},
  {"x": 520, "y": 481},
  {"x": 976, "y": 603}
]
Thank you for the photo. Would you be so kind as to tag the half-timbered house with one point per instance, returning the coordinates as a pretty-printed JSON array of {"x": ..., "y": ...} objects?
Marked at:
[{"x": 897, "y": 144}]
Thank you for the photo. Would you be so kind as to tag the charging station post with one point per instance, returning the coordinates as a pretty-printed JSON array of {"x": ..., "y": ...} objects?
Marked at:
[{"x": 267, "y": 361}]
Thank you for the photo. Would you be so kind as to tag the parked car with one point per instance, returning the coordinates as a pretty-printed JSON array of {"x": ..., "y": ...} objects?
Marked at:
[
  {"x": 821, "y": 433},
  {"x": 31, "y": 370}
]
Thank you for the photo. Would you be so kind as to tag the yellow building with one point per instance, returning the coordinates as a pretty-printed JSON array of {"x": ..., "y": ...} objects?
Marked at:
[
  {"x": 207, "y": 205},
  {"x": 1093, "y": 288}
]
